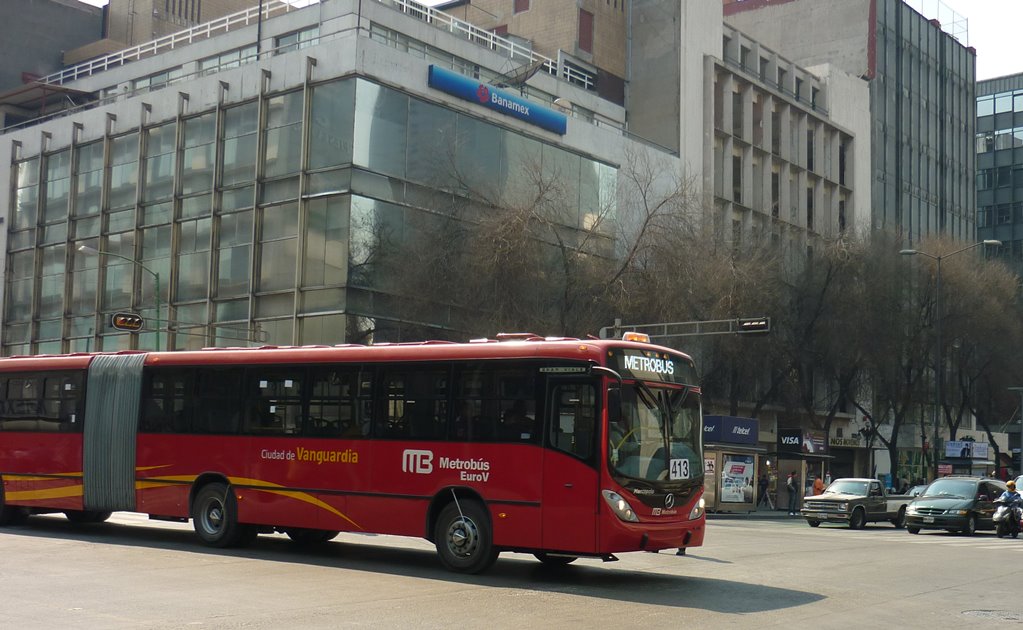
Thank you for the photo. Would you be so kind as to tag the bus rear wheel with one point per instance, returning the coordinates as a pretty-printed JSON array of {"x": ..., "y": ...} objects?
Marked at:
[
  {"x": 215, "y": 517},
  {"x": 87, "y": 516},
  {"x": 9, "y": 514},
  {"x": 463, "y": 537}
]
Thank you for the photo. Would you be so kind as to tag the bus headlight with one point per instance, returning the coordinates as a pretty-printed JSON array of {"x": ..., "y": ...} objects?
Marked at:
[
  {"x": 697, "y": 510},
  {"x": 620, "y": 506}
]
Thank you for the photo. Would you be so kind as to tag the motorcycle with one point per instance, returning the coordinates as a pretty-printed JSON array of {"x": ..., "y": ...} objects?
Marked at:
[{"x": 1007, "y": 518}]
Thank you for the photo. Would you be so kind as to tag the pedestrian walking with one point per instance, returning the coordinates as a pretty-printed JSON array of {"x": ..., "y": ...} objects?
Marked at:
[
  {"x": 818, "y": 485},
  {"x": 762, "y": 484},
  {"x": 793, "y": 487}
]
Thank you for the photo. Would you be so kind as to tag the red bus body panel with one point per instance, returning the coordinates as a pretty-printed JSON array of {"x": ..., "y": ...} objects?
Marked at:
[{"x": 538, "y": 499}]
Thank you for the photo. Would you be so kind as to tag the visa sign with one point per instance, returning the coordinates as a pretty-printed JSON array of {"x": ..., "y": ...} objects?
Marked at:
[{"x": 790, "y": 440}]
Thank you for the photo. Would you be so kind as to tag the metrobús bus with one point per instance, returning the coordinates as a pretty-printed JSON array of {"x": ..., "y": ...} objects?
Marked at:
[{"x": 557, "y": 447}]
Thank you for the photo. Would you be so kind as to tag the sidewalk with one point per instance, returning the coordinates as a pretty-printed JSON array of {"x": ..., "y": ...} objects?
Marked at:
[{"x": 759, "y": 515}]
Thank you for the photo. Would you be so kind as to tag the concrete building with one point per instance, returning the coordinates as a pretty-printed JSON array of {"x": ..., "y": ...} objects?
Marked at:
[
  {"x": 242, "y": 173},
  {"x": 37, "y": 34},
  {"x": 921, "y": 100},
  {"x": 587, "y": 37},
  {"x": 131, "y": 22},
  {"x": 242, "y": 189},
  {"x": 1000, "y": 165},
  {"x": 752, "y": 128}
]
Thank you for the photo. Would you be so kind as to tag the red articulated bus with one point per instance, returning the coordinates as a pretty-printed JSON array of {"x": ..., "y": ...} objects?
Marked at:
[{"x": 562, "y": 448}]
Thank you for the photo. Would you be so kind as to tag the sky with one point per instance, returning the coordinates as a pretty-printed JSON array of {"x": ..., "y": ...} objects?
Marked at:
[{"x": 992, "y": 28}]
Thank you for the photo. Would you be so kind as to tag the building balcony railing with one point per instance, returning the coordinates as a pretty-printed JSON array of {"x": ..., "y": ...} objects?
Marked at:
[
  {"x": 460, "y": 28},
  {"x": 487, "y": 39},
  {"x": 168, "y": 42}
]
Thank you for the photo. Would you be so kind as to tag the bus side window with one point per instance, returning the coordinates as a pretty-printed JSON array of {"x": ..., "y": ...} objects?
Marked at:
[
  {"x": 218, "y": 402},
  {"x": 165, "y": 400},
  {"x": 416, "y": 403},
  {"x": 474, "y": 415},
  {"x": 24, "y": 405},
  {"x": 332, "y": 404},
  {"x": 516, "y": 404}
]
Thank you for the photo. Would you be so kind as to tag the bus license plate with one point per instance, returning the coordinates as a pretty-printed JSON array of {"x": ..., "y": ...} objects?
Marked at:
[{"x": 928, "y": 519}]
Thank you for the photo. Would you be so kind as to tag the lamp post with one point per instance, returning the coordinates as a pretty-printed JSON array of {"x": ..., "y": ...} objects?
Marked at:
[
  {"x": 1019, "y": 471},
  {"x": 85, "y": 249},
  {"x": 938, "y": 359}
]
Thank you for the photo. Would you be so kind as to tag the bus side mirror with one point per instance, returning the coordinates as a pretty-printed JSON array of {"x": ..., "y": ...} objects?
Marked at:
[{"x": 614, "y": 404}]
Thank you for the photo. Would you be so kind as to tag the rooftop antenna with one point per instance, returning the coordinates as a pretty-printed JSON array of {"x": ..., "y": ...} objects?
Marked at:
[{"x": 518, "y": 76}]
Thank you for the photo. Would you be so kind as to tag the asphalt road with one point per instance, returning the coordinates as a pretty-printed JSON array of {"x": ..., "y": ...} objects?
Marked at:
[{"x": 133, "y": 573}]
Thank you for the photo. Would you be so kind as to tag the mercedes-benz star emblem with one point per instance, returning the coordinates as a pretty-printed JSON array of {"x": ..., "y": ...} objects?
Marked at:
[{"x": 669, "y": 501}]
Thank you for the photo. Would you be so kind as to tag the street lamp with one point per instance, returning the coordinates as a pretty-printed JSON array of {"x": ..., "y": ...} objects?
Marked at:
[
  {"x": 85, "y": 249},
  {"x": 1020, "y": 390},
  {"x": 938, "y": 359}
]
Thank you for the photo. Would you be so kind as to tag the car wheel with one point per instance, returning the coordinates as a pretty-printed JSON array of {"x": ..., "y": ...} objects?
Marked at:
[
  {"x": 813, "y": 523},
  {"x": 858, "y": 519},
  {"x": 971, "y": 525},
  {"x": 900, "y": 520},
  {"x": 913, "y": 530}
]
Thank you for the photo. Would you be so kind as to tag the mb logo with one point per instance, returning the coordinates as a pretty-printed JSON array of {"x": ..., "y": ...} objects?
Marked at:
[{"x": 420, "y": 462}]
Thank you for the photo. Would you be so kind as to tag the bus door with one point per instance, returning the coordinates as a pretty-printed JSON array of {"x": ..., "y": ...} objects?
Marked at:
[{"x": 570, "y": 478}]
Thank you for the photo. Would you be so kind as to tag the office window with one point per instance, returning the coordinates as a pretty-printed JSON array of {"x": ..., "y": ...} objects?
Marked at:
[
  {"x": 1003, "y": 103},
  {"x": 585, "y": 31},
  {"x": 986, "y": 106},
  {"x": 298, "y": 40},
  {"x": 520, "y": 6},
  {"x": 985, "y": 141}
]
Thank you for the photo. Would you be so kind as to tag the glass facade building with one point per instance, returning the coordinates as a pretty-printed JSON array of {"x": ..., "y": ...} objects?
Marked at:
[
  {"x": 1000, "y": 166},
  {"x": 256, "y": 220}
]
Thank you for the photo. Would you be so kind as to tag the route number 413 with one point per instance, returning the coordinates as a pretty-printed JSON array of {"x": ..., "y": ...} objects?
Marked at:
[{"x": 679, "y": 469}]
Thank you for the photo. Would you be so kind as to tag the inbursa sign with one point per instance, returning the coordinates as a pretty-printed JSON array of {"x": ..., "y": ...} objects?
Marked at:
[{"x": 498, "y": 100}]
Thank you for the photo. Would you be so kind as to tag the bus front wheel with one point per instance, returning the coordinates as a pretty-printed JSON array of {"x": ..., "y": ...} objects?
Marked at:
[
  {"x": 554, "y": 561},
  {"x": 215, "y": 517},
  {"x": 463, "y": 537}
]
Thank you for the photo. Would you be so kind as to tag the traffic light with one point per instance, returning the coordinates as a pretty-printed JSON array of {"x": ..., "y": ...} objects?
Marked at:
[
  {"x": 753, "y": 325},
  {"x": 127, "y": 321}
]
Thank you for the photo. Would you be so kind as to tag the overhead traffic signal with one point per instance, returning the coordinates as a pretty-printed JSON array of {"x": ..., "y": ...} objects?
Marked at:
[{"x": 127, "y": 321}]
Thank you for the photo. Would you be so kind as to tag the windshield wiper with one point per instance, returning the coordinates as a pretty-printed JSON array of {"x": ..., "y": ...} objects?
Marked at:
[
  {"x": 646, "y": 395},
  {"x": 676, "y": 398}
]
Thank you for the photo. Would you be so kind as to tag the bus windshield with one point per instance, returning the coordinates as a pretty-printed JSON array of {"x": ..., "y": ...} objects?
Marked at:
[{"x": 657, "y": 436}]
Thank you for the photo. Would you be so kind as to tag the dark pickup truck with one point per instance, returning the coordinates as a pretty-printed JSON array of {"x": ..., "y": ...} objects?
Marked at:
[{"x": 855, "y": 502}]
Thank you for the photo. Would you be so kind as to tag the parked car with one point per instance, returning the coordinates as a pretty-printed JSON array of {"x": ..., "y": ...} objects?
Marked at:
[
  {"x": 855, "y": 502},
  {"x": 963, "y": 504}
]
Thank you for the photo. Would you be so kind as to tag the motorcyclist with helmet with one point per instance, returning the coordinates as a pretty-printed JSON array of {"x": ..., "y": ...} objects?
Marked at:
[
  {"x": 1010, "y": 495},
  {"x": 1010, "y": 499}
]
